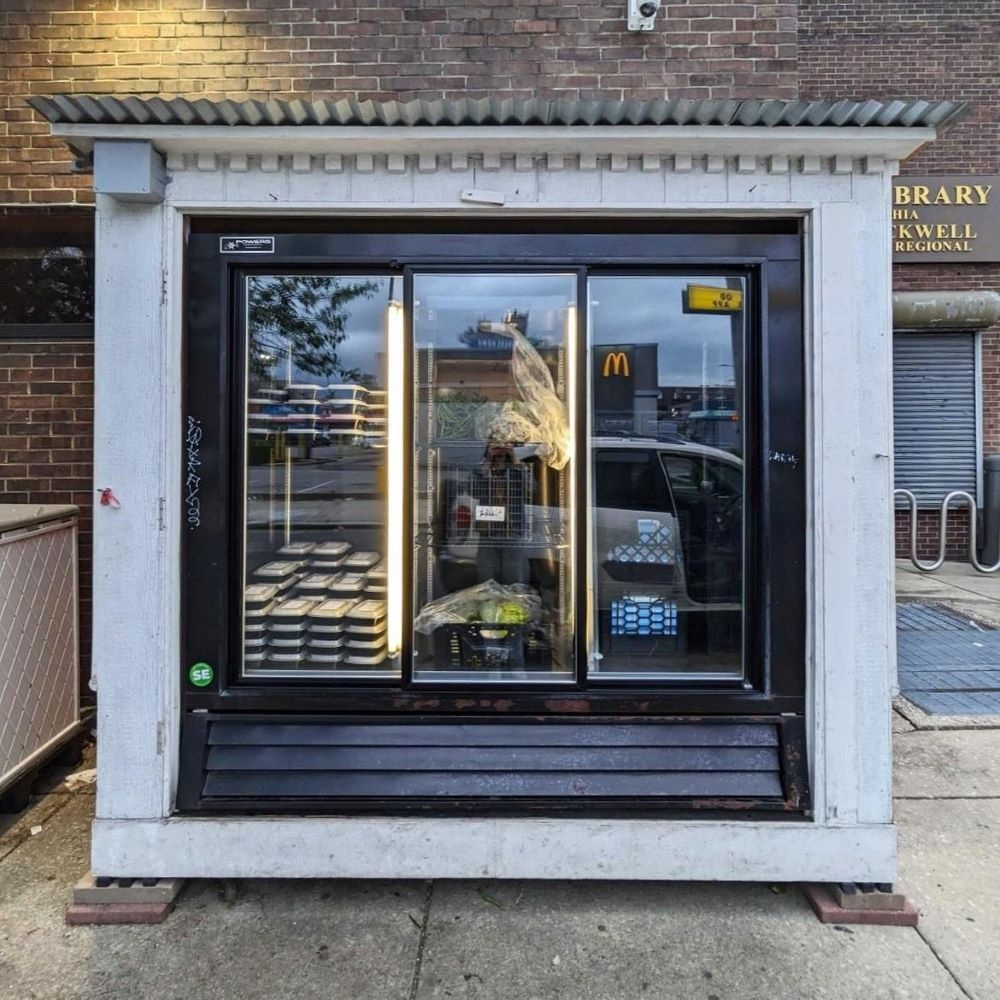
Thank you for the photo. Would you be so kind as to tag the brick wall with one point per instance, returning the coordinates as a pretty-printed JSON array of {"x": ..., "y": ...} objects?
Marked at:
[
  {"x": 910, "y": 49},
  {"x": 333, "y": 48},
  {"x": 366, "y": 48},
  {"x": 435, "y": 48},
  {"x": 929, "y": 534},
  {"x": 945, "y": 277},
  {"x": 46, "y": 438},
  {"x": 920, "y": 48}
]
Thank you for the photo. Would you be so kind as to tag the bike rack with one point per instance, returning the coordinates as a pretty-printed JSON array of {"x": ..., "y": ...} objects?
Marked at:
[{"x": 963, "y": 497}]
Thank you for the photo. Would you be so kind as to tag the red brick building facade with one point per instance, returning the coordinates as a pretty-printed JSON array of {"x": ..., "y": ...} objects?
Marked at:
[{"x": 268, "y": 49}]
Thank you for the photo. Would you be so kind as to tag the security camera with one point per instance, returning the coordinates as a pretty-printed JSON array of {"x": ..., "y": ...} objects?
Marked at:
[{"x": 642, "y": 14}]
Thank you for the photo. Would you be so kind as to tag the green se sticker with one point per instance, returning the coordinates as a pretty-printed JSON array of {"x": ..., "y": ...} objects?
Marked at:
[{"x": 201, "y": 674}]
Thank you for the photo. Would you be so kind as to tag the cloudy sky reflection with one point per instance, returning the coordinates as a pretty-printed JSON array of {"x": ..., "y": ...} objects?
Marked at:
[
  {"x": 624, "y": 310},
  {"x": 649, "y": 310}
]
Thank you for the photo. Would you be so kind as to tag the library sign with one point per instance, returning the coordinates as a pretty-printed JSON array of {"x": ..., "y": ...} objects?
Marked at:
[{"x": 946, "y": 218}]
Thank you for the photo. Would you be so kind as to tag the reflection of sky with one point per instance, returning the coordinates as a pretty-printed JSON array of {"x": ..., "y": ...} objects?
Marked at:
[
  {"x": 624, "y": 310},
  {"x": 448, "y": 304},
  {"x": 649, "y": 310},
  {"x": 364, "y": 342}
]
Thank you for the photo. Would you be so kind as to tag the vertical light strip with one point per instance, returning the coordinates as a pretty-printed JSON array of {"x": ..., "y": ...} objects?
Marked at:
[
  {"x": 590, "y": 638},
  {"x": 288, "y": 455},
  {"x": 572, "y": 389},
  {"x": 395, "y": 475}
]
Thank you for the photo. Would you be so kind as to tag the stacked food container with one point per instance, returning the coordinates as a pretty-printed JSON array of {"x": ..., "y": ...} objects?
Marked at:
[{"x": 318, "y": 607}]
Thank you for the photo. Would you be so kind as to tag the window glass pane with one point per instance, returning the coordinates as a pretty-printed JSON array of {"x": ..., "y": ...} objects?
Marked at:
[
  {"x": 47, "y": 262},
  {"x": 666, "y": 477},
  {"x": 493, "y": 573},
  {"x": 315, "y": 571}
]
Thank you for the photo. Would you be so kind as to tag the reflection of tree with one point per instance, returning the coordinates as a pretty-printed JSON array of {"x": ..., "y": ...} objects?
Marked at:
[
  {"x": 54, "y": 286},
  {"x": 305, "y": 315}
]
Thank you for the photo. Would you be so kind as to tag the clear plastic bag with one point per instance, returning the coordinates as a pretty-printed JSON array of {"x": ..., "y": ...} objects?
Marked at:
[
  {"x": 491, "y": 602},
  {"x": 539, "y": 416}
]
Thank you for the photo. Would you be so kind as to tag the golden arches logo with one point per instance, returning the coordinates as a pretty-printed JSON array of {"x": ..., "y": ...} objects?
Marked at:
[{"x": 615, "y": 363}]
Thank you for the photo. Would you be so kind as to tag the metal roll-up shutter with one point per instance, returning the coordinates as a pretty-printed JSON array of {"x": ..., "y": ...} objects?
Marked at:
[{"x": 935, "y": 414}]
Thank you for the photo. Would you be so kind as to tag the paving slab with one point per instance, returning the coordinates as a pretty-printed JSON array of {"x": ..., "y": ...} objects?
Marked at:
[
  {"x": 913, "y": 585},
  {"x": 947, "y": 764},
  {"x": 682, "y": 941},
  {"x": 274, "y": 940},
  {"x": 954, "y": 579},
  {"x": 950, "y": 867}
]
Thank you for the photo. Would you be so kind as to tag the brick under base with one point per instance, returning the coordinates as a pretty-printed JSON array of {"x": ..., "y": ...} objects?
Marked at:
[
  {"x": 117, "y": 913},
  {"x": 826, "y": 908}
]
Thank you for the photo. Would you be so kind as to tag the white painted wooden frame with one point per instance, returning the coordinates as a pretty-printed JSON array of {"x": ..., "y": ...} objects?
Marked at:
[{"x": 837, "y": 182}]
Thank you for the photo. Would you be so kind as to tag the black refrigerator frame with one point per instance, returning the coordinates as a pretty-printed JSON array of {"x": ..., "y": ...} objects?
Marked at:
[{"x": 768, "y": 253}]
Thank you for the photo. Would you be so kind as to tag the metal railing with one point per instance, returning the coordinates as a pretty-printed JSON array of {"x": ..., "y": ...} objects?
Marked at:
[{"x": 963, "y": 497}]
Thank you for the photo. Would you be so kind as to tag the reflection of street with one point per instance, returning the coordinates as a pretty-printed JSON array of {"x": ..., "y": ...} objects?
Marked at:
[{"x": 326, "y": 488}]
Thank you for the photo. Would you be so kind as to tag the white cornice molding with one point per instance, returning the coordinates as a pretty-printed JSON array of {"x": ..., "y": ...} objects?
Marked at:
[
  {"x": 401, "y": 163},
  {"x": 890, "y": 144}
]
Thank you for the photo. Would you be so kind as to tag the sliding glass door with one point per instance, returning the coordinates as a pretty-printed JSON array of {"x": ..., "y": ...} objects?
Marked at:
[
  {"x": 494, "y": 365},
  {"x": 667, "y": 486},
  {"x": 319, "y": 544},
  {"x": 415, "y": 507}
]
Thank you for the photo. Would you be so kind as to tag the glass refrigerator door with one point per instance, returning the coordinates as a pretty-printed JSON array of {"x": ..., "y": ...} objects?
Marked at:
[
  {"x": 317, "y": 537},
  {"x": 493, "y": 590},
  {"x": 667, "y": 448}
]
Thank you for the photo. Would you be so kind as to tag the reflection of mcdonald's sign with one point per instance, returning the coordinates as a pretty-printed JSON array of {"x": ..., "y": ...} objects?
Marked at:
[{"x": 615, "y": 363}]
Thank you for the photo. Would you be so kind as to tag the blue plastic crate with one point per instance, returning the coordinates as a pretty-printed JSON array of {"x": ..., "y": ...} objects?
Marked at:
[{"x": 643, "y": 616}]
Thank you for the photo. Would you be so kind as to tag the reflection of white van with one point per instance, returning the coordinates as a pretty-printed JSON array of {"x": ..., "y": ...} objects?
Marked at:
[{"x": 668, "y": 517}]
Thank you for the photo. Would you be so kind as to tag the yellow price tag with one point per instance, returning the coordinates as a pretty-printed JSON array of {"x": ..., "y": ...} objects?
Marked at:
[{"x": 706, "y": 299}]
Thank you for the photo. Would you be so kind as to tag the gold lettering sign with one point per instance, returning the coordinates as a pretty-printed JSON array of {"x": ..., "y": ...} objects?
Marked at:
[
  {"x": 706, "y": 299},
  {"x": 946, "y": 218},
  {"x": 615, "y": 363}
]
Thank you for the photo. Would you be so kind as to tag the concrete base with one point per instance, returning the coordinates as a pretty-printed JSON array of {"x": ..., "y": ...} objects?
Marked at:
[
  {"x": 826, "y": 904},
  {"x": 444, "y": 847},
  {"x": 117, "y": 913}
]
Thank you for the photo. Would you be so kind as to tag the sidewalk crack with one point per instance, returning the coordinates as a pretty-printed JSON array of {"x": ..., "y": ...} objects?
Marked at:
[
  {"x": 946, "y": 798},
  {"x": 424, "y": 922},
  {"x": 944, "y": 965}
]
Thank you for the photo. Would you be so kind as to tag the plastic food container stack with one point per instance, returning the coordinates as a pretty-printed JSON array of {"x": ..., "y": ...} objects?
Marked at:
[
  {"x": 326, "y": 636},
  {"x": 366, "y": 634},
  {"x": 282, "y": 573},
  {"x": 286, "y": 625},
  {"x": 329, "y": 555}
]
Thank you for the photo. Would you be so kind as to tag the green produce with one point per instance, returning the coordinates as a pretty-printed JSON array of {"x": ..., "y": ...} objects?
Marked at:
[
  {"x": 512, "y": 613},
  {"x": 489, "y": 611}
]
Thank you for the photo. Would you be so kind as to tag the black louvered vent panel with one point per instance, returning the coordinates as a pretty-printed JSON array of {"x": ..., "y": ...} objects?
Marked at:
[{"x": 322, "y": 760}]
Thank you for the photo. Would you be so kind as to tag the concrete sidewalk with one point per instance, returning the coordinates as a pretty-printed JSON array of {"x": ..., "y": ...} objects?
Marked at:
[
  {"x": 942, "y": 671},
  {"x": 528, "y": 941},
  {"x": 955, "y": 584}
]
